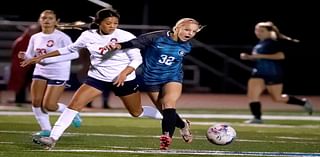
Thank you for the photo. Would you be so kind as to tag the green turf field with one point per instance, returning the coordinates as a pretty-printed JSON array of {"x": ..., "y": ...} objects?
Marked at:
[{"x": 122, "y": 137}]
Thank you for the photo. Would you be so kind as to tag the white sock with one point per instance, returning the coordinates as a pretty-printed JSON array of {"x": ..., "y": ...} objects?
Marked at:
[
  {"x": 61, "y": 107},
  {"x": 42, "y": 118},
  {"x": 150, "y": 112},
  {"x": 63, "y": 123}
]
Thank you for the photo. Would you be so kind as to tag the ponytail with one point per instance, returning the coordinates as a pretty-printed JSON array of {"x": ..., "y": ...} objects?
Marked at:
[{"x": 275, "y": 33}]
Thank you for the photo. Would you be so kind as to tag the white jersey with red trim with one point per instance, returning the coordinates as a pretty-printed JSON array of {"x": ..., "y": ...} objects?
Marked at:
[
  {"x": 106, "y": 66},
  {"x": 40, "y": 44}
]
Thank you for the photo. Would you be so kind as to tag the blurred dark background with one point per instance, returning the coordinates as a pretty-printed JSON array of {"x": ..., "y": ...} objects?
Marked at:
[{"x": 229, "y": 31}]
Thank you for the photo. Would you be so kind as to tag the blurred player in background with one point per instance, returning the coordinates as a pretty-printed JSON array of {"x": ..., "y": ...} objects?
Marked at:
[
  {"x": 268, "y": 56},
  {"x": 50, "y": 75}
]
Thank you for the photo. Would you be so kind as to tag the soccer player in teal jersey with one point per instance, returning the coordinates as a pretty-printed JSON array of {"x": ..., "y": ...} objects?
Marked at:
[
  {"x": 163, "y": 53},
  {"x": 162, "y": 62}
]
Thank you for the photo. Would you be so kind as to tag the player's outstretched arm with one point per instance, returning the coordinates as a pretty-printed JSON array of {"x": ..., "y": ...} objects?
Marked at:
[{"x": 39, "y": 58}]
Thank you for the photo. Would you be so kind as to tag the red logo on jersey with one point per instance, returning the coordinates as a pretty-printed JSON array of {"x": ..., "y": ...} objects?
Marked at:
[{"x": 50, "y": 43}]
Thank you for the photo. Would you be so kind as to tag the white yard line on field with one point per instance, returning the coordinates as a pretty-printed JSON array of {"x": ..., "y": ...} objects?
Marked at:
[
  {"x": 198, "y": 137},
  {"x": 193, "y": 152},
  {"x": 221, "y": 116}
]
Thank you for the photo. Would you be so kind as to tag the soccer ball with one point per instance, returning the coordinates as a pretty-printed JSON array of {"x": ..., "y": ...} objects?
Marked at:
[{"x": 221, "y": 134}]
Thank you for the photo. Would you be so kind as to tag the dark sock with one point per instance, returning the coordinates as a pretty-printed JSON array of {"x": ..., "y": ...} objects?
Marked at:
[
  {"x": 179, "y": 122},
  {"x": 105, "y": 99},
  {"x": 255, "y": 108},
  {"x": 295, "y": 101},
  {"x": 169, "y": 121}
]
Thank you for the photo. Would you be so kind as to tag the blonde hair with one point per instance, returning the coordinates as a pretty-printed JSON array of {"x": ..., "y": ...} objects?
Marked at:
[{"x": 187, "y": 20}]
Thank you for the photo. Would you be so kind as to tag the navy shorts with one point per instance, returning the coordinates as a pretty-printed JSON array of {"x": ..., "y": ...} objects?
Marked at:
[
  {"x": 51, "y": 82},
  {"x": 128, "y": 88},
  {"x": 153, "y": 88}
]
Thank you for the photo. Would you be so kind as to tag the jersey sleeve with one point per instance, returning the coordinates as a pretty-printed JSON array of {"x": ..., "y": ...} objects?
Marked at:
[
  {"x": 65, "y": 41},
  {"x": 61, "y": 58},
  {"x": 135, "y": 57},
  {"x": 133, "y": 54},
  {"x": 74, "y": 47},
  {"x": 141, "y": 41}
]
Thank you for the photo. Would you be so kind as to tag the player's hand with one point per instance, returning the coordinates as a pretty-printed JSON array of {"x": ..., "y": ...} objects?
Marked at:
[
  {"x": 113, "y": 46},
  {"x": 120, "y": 80},
  {"x": 245, "y": 56},
  {"x": 21, "y": 54},
  {"x": 30, "y": 61}
]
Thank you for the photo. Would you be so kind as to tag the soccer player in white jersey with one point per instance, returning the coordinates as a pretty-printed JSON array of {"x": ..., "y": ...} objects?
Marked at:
[
  {"x": 114, "y": 70},
  {"x": 50, "y": 75}
]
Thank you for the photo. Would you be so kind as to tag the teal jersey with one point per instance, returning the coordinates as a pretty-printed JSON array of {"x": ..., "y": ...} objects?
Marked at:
[{"x": 162, "y": 57}]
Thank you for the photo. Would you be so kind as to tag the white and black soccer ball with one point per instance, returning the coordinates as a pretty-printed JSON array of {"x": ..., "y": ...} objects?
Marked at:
[{"x": 221, "y": 134}]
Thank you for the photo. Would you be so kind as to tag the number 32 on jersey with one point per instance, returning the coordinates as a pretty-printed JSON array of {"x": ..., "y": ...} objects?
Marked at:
[{"x": 167, "y": 60}]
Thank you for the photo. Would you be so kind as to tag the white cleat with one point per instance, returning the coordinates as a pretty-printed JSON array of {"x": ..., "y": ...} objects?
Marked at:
[
  {"x": 47, "y": 142},
  {"x": 185, "y": 132},
  {"x": 253, "y": 121}
]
